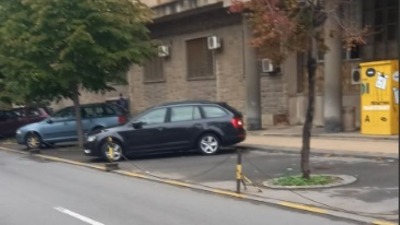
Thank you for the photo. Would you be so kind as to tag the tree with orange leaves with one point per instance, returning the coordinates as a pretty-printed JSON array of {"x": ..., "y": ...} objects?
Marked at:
[{"x": 284, "y": 26}]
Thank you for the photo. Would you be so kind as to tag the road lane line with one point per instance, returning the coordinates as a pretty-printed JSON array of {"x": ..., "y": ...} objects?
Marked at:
[{"x": 78, "y": 216}]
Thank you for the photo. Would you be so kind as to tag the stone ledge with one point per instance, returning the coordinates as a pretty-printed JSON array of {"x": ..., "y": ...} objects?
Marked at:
[{"x": 341, "y": 181}]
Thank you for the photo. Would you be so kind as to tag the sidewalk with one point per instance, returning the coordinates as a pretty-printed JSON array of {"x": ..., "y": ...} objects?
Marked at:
[{"x": 352, "y": 143}]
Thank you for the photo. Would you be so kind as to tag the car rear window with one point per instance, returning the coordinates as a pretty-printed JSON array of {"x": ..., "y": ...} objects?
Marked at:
[
  {"x": 97, "y": 111},
  {"x": 230, "y": 108},
  {"x": 118, "y": 109},
  {"x": 213, "y": 111}
]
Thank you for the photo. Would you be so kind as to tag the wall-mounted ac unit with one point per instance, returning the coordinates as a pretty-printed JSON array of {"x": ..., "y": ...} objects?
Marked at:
[
  {"x": 213, "y": 42},
  {"x": 267, "y": 66},
  {"x": 355, "y": 76},
  {"x": 163, "y": 51}
]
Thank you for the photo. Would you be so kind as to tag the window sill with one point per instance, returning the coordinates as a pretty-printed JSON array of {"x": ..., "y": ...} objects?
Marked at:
[
  {"x": 200, "y": 78},
  {"x": 154, "y": 81}
]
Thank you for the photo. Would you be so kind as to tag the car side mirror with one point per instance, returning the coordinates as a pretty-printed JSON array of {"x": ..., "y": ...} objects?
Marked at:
[
  {"x": 137, "y": 124},
  {"x": 50, "y": 121}
]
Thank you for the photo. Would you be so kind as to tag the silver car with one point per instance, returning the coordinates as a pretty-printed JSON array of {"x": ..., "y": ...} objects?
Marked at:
[{"x": 61, "y": 126}]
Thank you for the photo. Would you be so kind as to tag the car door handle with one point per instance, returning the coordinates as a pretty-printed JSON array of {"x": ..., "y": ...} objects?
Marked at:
[{"x": 160, "y": 128}]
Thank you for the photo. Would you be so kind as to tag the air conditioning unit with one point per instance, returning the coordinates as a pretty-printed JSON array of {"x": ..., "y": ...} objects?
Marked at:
[
  {"x": 163, "y": 51},
  {"x": 267, "y": 66},
  {"x": 355, "y": 76},
  {"x": 213, "y": 42}
]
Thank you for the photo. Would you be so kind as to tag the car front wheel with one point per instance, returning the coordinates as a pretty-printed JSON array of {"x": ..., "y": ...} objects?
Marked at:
[
  {"x": 33, "y": 141},
  {"x": 112, "y": 150},
  {"x": 208, "y": 144}
]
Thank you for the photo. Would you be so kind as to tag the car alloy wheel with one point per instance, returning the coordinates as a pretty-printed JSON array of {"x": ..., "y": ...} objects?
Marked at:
[
  {"x": 208, "y": 144},
  {"x": 114, "y": 154},
  {"x": 33, "y": 141}
]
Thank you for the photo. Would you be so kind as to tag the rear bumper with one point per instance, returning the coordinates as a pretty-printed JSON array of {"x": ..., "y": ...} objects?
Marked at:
[{"x": 241, "y": 136}]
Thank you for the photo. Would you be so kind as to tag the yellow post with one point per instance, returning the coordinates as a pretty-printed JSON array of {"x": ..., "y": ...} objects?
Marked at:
[
  {"x": 110, "y": 149},
  {"x": 379, "y": 97},
  {"x": 238, "y": 170}
]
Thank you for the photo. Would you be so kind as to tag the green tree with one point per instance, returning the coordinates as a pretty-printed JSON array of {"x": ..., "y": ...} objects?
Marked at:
[
  {"x": 284, "y": 26},
  {"x": 52, "y": 49}
]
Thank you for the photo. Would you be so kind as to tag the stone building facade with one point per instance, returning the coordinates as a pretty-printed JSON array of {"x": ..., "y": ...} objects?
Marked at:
[
  {"x": 224, "y": 81},
  {"x": 191, "y": 71},
  {"x": 282, "y": 95}
]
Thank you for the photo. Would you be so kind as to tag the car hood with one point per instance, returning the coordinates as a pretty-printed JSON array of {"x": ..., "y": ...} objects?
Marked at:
[
  {"x": 31, "y": 126},
  {"x": 114, "y": 129}
]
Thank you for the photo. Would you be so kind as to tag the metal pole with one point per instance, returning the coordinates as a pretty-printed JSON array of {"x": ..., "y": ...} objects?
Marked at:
[{"x": 238, "y": 170}]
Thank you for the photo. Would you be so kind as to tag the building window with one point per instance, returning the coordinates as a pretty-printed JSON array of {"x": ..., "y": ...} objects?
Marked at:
[
  {"x": 386, "y": 14},
  {"x": 153, "y": 70},
  {"x": 382, "y": 18},
  {"x": 350, "y": 15},
  {"x": 200, "y": 60}
]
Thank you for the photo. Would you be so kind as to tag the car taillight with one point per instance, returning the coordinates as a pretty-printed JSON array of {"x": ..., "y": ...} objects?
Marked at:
[
  {"x": 121, "y": 119},
  {"x": 237, "y": 123}
]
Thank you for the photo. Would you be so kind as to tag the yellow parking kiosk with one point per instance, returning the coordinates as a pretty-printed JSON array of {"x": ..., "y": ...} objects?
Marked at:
[{"x": 380, "y": 97}]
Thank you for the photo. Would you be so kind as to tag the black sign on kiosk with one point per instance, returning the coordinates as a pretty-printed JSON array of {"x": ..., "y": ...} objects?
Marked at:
[{"x": 370, "y": 72}]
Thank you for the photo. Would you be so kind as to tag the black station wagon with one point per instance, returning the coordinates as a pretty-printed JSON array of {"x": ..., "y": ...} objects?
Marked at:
[{"x": 179, "y": 126}]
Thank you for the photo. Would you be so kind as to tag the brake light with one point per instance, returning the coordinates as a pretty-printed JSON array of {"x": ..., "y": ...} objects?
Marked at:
[
  {"x": 237, "y": 123},
  {"x": 121, "y": 119}
]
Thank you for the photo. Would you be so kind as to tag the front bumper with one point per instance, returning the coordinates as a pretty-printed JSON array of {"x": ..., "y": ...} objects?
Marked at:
[
  {"x": 20, "y": 138},
  {"x": 91, "y": 149}
]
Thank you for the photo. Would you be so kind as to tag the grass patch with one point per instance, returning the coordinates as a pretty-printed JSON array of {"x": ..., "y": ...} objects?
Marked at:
[{"x": 300, "y": 181}]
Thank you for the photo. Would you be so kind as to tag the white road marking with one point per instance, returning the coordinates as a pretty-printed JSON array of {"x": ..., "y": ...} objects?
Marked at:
[{"x": 78, "y": 216}]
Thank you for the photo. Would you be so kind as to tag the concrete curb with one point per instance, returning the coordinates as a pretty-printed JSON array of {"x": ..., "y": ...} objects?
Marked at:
[
  {"x": 223, "y": 192},
  {"x": 331, "y": 137},
  {"x": 280, "y": 149}
]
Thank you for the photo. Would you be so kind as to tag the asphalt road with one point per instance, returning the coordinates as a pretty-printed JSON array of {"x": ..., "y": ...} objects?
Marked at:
[{"x": 44, "y": 192}]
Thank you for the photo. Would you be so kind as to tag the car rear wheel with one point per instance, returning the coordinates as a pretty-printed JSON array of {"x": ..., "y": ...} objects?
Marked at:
[
  {"x": 114, "y": 154},
  {"x": 208, "y": 144},
  {"x": 33, "y": 141}
]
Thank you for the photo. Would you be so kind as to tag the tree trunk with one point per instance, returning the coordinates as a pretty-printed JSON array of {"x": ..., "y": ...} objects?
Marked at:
[
  {"x": 78, "y": 116},
  {"x": 305, "y": 150}
]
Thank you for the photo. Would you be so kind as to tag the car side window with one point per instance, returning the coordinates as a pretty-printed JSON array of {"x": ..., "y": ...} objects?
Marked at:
[
  {"x": 11, "y": 115},
  {"x": 185, "y": 113},
  {"x": 108, "y": 111},
  {"x": 7, "y": 115},
  {"x": 88, "y": 112},
  {"x": 154, "y": 116},
  {"x": 213, "y": 112},
  {"x": 63, "y": 114},
  {"x": 32, "y": 113},
  {"x": 2, "y": 116}
]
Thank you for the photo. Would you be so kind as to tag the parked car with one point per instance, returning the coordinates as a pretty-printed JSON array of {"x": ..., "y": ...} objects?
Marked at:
[
  {"x": 32, "y": 114},
  {"x": 9, "y": 123},
  {"x": 201, "y": 125},
  {"x": 11, "y": 120},
  {"x": 61, "y": 127}
]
